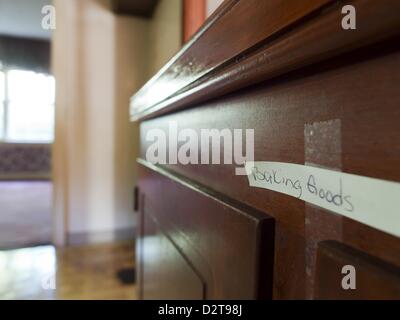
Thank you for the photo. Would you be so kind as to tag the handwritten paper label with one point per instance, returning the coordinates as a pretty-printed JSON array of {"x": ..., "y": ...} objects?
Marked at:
[{"x": 371, "y": 201}]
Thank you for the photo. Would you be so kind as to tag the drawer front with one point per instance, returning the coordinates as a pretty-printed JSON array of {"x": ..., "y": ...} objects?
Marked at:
[
  {"x": 166, "y": 272},
  {"x": 346, "y": 273},
  {"x": 199, "y": 242}
]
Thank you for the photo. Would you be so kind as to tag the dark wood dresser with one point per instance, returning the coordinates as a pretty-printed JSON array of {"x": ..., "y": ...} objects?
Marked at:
[{"x": 316, "y": 94}]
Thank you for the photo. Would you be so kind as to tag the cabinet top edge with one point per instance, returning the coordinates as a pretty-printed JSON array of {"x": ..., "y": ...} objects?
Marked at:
[{"x": 212, "y": 64}]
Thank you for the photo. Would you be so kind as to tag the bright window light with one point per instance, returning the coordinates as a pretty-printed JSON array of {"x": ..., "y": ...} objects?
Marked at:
[
  {"x": 2, "y": 87},
  {"x": 30, "y": 113},
  {"x": 2, "y": 91}
]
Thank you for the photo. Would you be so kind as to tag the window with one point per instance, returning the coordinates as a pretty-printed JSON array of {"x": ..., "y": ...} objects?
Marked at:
[
  {"x": 27, "y": 101},
  {"x": 2, "y": 103}
]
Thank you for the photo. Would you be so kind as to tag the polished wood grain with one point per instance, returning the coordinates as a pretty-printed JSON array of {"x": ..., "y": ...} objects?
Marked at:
[
  {"x": 176, "y": 279},
  {"x": 310, "y": 40},
  {"x": 84, "y": 273},
  {"x": 227, "y": 33},
  {"x": 315, "y": 95},
  {"x": 373, "y": 278},
  {"x": 279, "y": 112},
  {"x": 314, "y": 41},
  {"x": 227, "y": 245}
]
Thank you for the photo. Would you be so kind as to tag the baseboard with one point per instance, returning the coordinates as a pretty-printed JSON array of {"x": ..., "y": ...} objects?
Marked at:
[
  {"x": 85, "y": 238},
  {"x": 25, "y": 177}
]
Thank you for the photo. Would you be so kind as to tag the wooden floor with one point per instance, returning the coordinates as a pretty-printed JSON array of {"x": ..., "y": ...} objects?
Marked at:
[{"x": 87, "y": 272}]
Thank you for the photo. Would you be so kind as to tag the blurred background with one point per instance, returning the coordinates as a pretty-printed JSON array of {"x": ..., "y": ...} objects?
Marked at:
[{"x": 67, "y": 146}]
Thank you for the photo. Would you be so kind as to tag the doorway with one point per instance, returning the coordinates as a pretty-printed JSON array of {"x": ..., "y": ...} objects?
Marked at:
[
  {"x": 26, "y": 135},
  {"x": 27, "y": 94}
]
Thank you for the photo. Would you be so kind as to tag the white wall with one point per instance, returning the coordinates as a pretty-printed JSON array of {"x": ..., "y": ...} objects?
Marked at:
[
  {"x": 99, "y": 60},
  {"x": 165, "y": 34}
]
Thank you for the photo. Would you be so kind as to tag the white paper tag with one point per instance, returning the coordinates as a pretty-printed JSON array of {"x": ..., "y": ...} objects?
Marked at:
[{"x": 373, "y": 202}]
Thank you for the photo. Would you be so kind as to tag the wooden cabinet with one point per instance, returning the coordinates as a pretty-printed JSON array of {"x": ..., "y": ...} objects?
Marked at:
[
  {"x": 314, "y": 94},
  {"x": 197, "y": 244}
]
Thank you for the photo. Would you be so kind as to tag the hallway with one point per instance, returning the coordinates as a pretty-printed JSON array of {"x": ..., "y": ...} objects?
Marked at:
[{"x": 25, "y": 213}]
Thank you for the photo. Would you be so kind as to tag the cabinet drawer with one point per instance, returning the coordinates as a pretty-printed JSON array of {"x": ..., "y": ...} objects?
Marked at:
[
  {"x": 346, "y": 273},
  {"x": 201, "y": 241},
  {"x": 166, "y": 273}
]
